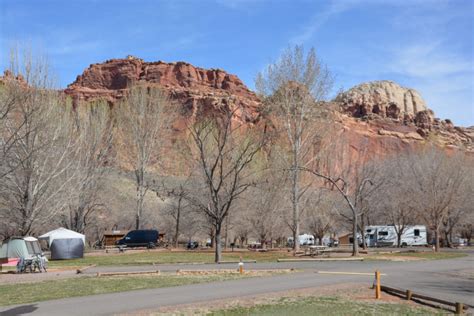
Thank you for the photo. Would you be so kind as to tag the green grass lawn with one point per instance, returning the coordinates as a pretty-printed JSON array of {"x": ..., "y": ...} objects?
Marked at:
[
  {"x": 163, "y": 257},
  {"x": 149, "y": 257},
  {"x": 425, "y": 255},
  {"x": 324, "y": 306},
  {"x": 11, "y": 294}
]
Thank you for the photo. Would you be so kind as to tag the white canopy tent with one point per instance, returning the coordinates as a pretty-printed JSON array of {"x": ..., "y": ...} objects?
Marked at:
[
  {"x": 65, "y": 243},
  {"x": 61, "y": 233}
]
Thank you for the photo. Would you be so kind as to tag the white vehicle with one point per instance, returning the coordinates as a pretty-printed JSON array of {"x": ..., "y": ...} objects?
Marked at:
[
  {"x": 305, "y": 240},
  {"x": 386, "y": 236}
]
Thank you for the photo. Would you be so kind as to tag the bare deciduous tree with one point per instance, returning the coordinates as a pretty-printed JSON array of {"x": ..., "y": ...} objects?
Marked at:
[
  {"x": 140, "y": 120},
  {"x": 351, "y": 195},
  {"x": 264, "y": 203},
  {"x": 322, "y": 214},
  {"x": 94, "y": 141},
  {"x": 223, "y": 150},
  {"x": 292, "y": 88},
  {"x": 40, "y": 126},
  {"x": 178, "y": 207},
  {"x": 436, "y": 181}
]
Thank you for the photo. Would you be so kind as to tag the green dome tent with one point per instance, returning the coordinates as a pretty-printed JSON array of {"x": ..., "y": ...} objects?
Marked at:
[{"x": 19, "y": 247}]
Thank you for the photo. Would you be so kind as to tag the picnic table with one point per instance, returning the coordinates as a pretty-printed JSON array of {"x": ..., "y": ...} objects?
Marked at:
[{"x": 315, "y": 250}]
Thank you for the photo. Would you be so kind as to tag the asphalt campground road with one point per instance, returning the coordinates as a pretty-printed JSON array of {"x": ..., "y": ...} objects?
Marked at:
[{"x": 445, "y": 279}]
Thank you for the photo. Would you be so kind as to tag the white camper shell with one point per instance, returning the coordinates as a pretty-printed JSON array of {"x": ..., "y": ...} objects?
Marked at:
[{"x": 386, "y": 236}]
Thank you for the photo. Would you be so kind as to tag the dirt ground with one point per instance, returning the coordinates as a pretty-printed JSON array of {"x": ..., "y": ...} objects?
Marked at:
[{"x": 8, "y": 278}]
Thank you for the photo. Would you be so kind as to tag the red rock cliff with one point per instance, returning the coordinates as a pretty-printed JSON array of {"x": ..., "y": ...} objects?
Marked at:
[
  {"x": 196, "y": 89},
  {"x": 381, "y": 115}
]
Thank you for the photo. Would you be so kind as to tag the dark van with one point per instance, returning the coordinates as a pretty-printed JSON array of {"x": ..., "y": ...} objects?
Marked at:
[{"x": 139, "y": 238}]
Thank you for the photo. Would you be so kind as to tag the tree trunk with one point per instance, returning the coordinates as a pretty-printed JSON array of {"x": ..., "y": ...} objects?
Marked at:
[
  {"x": 399, "y": 239},
  {"x": 140, "y": 196},
  {"x": 295, "y": 201},
  {"x": 218, "y": 252},
  {"x": 137, "y": 221},
  {"x": 362, "y": 229},
  {"x": 320, "y": 238},
  {"x": 212, "y": 236},
  {"x": 178, "y": 215},
  {"x": 226, "y": 232},
  {"x": 437, "y": 239},
  {"x": 355, "y": 243}
]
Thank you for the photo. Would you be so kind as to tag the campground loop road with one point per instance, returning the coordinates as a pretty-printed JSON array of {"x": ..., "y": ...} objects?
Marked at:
[{"x": 450, "y": 279}]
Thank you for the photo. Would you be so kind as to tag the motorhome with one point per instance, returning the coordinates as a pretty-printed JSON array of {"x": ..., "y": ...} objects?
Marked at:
[{"x": 386, "y": 236}]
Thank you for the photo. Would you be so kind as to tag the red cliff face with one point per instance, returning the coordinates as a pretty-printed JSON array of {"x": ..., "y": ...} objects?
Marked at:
[
  {"x": 381, "y": 116},
  {"x": 196, "y": 89}
]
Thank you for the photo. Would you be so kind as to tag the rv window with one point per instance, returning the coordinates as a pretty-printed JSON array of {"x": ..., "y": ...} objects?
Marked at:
[
  {"x": 417, "y": 232},
  {"x": 369, "y": 230},
  {"x": 383, "y": 233}
]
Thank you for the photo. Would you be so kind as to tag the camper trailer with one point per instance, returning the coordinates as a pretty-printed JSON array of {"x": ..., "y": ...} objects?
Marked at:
[
  {"x": 305, "y": 240},
  {"x": 386, "y": 236}
]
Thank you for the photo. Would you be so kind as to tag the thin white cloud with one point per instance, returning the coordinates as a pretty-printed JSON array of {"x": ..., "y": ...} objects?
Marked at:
[
  {"x": 428, "y": 60},
  {"x": 319, "y": 19},
  {"x": 238, "y": 4}
]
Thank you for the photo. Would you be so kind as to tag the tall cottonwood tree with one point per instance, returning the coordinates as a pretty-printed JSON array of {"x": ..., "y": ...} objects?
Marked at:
[
  {"x": 93, "y": 124},
  {"x": 223, "y": 151},
  {"x": 141, "y": 118},
  {"x": 292, "y": 88},
  {"x": 42, "y": 148}
]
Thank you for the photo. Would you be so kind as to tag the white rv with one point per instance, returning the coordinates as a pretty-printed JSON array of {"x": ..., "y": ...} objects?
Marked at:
[
  {"x": 386, "y": 236},
  {"x": 305, "y": 240}
]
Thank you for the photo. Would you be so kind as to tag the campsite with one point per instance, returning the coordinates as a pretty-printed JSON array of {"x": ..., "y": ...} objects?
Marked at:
[{"x": 236, "y": 157}]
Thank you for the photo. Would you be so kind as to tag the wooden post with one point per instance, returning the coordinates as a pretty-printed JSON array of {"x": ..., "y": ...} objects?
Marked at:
[
  {"x": 409, "y": 295},
  {"x": 377, "y": 284},
  {"x": 459, "y": 308}
]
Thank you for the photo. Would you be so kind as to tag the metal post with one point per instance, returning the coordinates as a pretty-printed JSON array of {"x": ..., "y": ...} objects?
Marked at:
[
  {"x": 459, "y": 308},
  {"x": 377, "y": 284}
]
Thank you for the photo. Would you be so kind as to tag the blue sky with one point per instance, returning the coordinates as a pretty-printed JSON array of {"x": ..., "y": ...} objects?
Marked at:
[{"x": 423, "y": 44}]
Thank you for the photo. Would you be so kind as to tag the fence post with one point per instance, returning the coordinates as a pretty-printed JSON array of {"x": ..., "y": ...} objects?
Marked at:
[
  {"x": 377, "y": 284},
  {"x": 459, "y": 308},
  {"x": 409, "y": 295}
]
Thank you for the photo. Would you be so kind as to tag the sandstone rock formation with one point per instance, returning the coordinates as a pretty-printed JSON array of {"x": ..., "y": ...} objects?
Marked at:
[
  {"x": 382, "y": 114},
  {"x": 398, "y": 112},
  {"x": 383, "y": 98},
  {"x": 196, "y": 89}
]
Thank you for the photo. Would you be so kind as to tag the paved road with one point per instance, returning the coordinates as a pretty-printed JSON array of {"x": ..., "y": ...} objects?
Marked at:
[{"x": 445, "y": 279}]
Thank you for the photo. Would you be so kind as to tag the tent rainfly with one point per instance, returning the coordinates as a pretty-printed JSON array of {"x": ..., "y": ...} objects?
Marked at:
[{"x": 65, "y": 243}]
